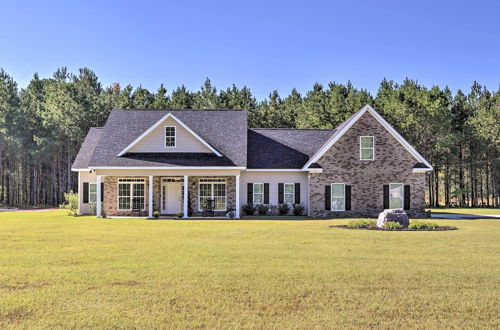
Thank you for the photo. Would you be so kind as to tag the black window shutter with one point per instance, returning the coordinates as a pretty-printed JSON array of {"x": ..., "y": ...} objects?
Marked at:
[
  {"x": 386, "y": 196},
  {"x": 328, "y": 197},
  {"x": 250, "y": 193},
  {"x": 347, "y": 198},
  {"x": 85, "y": 192},
  {"x": 297, "y": 193},
  {"x": 266, "y": 193},
  {"x": 407, "y": 197},
  {"x": 280, "y": 193},
  {"x": 102, "y": 192}
]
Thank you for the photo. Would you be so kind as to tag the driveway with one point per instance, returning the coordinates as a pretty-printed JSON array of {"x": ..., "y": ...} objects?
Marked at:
[{"x": 457, "y": 216}]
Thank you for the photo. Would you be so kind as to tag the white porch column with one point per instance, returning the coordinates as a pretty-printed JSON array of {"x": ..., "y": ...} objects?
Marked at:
[
  {"x": 186, "y": 190},
  {"x": 98, "y": 196},
  {"x": 237, "y": 212},
  {"x": 80, "y": 192},
  {"x": 150, "y": 200}
]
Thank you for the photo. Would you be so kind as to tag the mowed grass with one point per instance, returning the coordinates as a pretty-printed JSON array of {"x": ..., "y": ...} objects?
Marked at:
[
  {"x": 476, "y": 210},
  {"x": 64, "y": 272}
]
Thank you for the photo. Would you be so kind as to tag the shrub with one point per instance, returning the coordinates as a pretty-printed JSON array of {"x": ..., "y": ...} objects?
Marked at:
[
  {"x": 248, "y": 209},
  {"x": 180, "y": 214},
  {"x": 362, "y": 223},
  {"x": 283, "y": 209},
  {"x": 392, "y": 225},
  {"x": 262, "y": 209},
  {"x": 70, "y": 203},
  {"x": 298, "y": 209},
  {"x": 156, "y": 214},
  {"x": 421, "y": 225}
]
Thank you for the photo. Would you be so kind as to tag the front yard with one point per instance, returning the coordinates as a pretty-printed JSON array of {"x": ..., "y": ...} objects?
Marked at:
[{"x": 59, "y": 271}]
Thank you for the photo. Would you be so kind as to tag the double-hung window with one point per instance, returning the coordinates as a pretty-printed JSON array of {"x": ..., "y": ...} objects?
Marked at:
[
  {"x": 92, "y": 192},
  {"x": 289, "y": 192},
  {"x": 396, "y": 196},
  {"x": 212, "y": 188},
  {"x": 338, "y": 197},
  {"x": 131, "y": 194},
  {"x": 258, "y": 193},
  {"x": 366, "y": 148},
  {"x": 169, "y": 136}
]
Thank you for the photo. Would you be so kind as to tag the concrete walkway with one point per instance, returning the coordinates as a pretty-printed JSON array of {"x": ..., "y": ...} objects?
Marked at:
[{"x": 457, "y": 216}]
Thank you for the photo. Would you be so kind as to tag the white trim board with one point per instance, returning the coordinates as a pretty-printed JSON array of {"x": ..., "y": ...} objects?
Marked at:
[
  {"x": 328, "y": 144},
  {"x": 157, "y": 124}
]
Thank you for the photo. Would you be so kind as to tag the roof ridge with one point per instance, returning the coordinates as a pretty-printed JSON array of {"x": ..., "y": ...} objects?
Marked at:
[
  {"x": 145, "y": 109},
  {"x": 292, "y": 128}
]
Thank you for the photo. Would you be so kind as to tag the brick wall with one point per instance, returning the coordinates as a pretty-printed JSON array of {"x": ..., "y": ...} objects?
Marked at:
[{"x": 341, "y": 164}]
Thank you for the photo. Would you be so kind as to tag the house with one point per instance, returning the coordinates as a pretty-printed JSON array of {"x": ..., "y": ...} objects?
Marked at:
[{"x": 176, "y": 160}]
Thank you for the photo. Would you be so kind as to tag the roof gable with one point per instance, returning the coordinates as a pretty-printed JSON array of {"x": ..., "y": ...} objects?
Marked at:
[
  {"x": 223, "y": 130},
  {"x": 152, "y": 140},
  {"x": 345, "y": 126}
]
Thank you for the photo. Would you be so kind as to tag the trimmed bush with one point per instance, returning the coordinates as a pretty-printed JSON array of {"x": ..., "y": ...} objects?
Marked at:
[
  {"x": 262, "y": 209},
  {"x": 362, "y": 223},
  {"x": 392, "y": 225},
  {"x": 248, "y": 209},
  {"x": 298, "y": 209},
  {"x": 70, "y": 203},
  {"x": 283, "y": 209},
  {"x": 156, "y": 214},
  {"x": 421, "y": 225}
]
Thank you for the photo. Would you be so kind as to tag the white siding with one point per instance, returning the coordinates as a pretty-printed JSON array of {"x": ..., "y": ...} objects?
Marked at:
[
  {"x": 273, "y": 178},
  {"x": 85, "y": 176},
  {"x": 155, "y": 140}
]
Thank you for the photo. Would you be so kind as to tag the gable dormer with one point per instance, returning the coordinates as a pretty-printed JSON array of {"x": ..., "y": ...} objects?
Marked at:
[{"x": 169, "y": 135}]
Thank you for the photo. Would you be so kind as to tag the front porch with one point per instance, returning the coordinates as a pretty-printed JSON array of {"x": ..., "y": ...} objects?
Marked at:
[{"x": 140, "y": 195}]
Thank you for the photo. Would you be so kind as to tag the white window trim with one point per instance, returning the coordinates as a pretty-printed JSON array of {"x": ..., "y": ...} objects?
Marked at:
[
  {"x": 175, "y": 136},
  {"x": 254, "y": 193},
  {"x": 95, "y": 193},
  {"x": 285, "y": 193},
  {"x": 212, "y": 197},
  {"x": 361, "y": 148},
  {"x": 402, "y": 196},
  {"x": 331, "y": 197},
  {"x": 118, "y": 193}
]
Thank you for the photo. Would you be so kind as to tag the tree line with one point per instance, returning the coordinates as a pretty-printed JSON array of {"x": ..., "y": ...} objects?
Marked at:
[{"x": 43, "y": 125}]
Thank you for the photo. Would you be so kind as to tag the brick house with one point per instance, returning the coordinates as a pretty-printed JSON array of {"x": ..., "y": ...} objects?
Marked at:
[{"x": 143, "y": 161}]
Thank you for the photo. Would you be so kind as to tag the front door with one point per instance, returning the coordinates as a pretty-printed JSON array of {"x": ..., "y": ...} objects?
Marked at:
[{"x": 171, "y": 197}]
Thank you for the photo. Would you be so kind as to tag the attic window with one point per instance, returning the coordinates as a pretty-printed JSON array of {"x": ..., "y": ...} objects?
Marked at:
[
  {"x": 366, "y": 148},
  {"x": 169, "y": 136}
]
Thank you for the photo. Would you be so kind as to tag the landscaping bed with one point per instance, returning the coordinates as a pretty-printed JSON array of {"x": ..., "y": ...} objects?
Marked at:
[{"x": 394, "y": 226}]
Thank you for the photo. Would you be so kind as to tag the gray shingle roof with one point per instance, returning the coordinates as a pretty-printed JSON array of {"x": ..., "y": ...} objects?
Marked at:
[
  {"x": 283, "y": 148},
  {"x": 87, "y": 148},
  {"x": 225, "y": 130}
]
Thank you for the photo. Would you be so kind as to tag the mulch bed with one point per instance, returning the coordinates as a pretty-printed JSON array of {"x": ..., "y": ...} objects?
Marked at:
[{"x": 440, "y": 228}]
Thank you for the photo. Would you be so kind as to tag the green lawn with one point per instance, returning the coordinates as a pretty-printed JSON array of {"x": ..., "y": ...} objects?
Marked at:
[
  {"x": 64, "y": 272},
  {"x": 483, "y": 211}
]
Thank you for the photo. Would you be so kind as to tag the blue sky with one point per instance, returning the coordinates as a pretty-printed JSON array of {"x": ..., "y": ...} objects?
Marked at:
[{"x": 265, "y": 45}]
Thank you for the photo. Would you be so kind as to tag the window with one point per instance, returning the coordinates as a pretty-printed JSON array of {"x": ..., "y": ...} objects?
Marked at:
[
  {"x": 367, "y": 147},
  {"x": 131, "y": 194},
  {"x": 289, "y": 193},
  {"x": 396, "y": 196},
  {"x": 258, "y": 193},
  {"x": 212, "y": 189},
  {"x": 169, "y": 136},
  {"x": 92, "y": 192},
  {"x": 338, "y": 197}
]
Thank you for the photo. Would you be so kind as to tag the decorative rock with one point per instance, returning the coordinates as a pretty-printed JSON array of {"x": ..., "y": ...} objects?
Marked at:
[{"x": 395, "y": 215}]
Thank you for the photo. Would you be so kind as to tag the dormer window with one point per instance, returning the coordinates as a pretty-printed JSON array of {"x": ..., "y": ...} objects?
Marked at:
[
  {"x": 169, "y": 136},
  {"x": 366, "y": 148}
]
